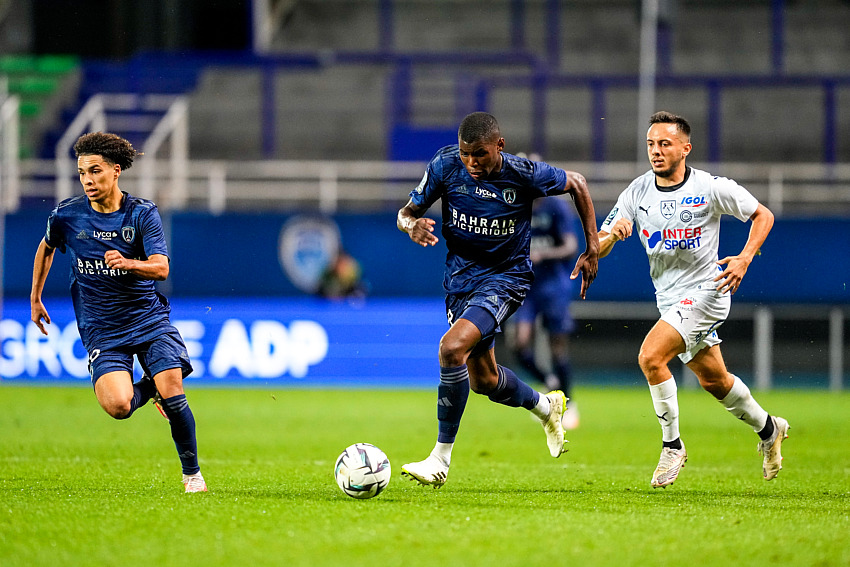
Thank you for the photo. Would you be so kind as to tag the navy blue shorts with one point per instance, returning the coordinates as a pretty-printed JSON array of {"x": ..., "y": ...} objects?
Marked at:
[
  {"x": 554, "y": 309},
  {"x": 165, "y": 352},
  {"x": 494, "y": 299}
]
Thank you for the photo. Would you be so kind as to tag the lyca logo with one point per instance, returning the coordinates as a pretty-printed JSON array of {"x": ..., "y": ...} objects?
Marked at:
[
  {"x": 481, "y": 192},
  {"x": 101, "y": 235}
]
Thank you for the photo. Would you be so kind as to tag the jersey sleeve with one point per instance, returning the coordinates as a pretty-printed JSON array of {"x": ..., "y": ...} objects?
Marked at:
[
  {"x": 431, "y": 187},
  {"x": 733, "y": 199},
  {"x": 153, "y": 237},
  {"x": 549, "y": 180},
  {"x": 623, "y": 209},
  {"x": 54, "y": 236}
]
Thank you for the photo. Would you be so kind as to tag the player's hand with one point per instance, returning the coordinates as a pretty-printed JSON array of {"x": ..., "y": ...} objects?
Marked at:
[
  {"x": 39, "y": 316},
  {"x": 421, "y": 232},
  {"x": 115, "y": 261},
  {"x": 730, "y": 278},
  {"x": 621, "y": 230},
  {"x": 588, "y": 265}
]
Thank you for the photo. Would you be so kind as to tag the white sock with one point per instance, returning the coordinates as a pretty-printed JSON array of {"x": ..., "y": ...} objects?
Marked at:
[
  {"x": 740, "y": 403},
  {"x": 666, "y": 406},
  {"x": 543, "y": 407},
  {"x": 443, "y": 451}
]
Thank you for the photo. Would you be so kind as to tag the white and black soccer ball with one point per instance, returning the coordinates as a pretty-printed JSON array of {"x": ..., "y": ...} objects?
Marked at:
[{"x": 362, "y": 471}]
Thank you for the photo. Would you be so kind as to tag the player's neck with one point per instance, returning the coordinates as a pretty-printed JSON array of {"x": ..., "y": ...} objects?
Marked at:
[
  {"x": 675, "y": 178},
  {"x": 108, "y": 204}
]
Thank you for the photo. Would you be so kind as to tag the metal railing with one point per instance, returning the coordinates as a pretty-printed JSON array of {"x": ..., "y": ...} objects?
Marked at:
[
  {"x": 95, "y": 116},
  {"x": 354, "y": 186},
  {"x": 10, "y": 176},
  {"x": 763, "y": 318}
]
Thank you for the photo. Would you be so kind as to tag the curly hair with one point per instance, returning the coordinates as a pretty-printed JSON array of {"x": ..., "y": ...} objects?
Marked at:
[
  {"x": 477, "y": 127},
  {"x": 111, "y": 147}
]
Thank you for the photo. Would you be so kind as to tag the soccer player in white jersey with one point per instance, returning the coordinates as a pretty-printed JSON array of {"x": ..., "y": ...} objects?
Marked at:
[{"x": 676, "y": 210}]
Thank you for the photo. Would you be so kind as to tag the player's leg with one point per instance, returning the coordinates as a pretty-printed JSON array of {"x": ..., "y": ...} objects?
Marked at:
[
  {"x": 736, "y": 397},
  {"x": 523, "y": 347},
  {"x": 503, "y": 386},
  {"x": 116, "y": 393},
  {"x": 559, "y": 324},
  {"x": 167, "y": 361},
  {"x": 559, "y": 345},
  {"x": 660, "y": 345},
  {"x": 452, "y": 395}
]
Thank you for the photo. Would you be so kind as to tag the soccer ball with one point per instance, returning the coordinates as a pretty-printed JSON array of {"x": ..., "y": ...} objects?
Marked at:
[{"x": 362, "y": 471}]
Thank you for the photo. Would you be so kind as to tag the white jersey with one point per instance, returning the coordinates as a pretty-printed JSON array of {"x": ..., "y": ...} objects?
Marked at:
[{"x": 679, "y": 227}]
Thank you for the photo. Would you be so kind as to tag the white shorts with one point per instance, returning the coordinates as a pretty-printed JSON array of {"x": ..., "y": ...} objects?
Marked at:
[{"x": 697, "y": 317}]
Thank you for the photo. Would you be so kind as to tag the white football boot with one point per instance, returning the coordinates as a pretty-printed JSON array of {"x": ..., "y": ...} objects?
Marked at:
[
  {"x": 772, "y": 448},
  {"x": 552, "y": 423},
  {"x": 669, "y": 465},
  {"x": 430, "y": 472}
]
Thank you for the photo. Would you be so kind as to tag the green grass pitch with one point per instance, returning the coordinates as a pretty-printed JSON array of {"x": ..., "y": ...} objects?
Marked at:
[{"x": 78, "y": 488}]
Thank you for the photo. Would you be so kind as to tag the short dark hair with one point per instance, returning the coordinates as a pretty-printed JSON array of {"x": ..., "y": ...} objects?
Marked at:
[
  {"x": 478, "y": 126},
  {"x": 111, "y": 147},
  {"x": 664, "y": 117}
]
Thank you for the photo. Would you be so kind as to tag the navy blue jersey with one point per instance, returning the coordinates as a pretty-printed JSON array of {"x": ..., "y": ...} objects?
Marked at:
[
  {"x": 113, "y": 307},
  {"x": 487, "y": 223},
  {"x": 551, "y": 221}
]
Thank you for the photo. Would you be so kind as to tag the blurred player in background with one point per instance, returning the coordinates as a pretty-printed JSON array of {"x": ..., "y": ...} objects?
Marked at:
[
  {"x": 677, "y": 210},
  {"x": 553, "y": 246},
  {"x": 118, "y": 251},
  {"x": 487, "y": 197}
]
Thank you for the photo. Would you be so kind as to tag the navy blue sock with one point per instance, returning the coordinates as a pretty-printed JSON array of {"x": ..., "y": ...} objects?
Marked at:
[
  {"x": 452, "y": 394},
  {"x": 526, "y": 359},
  {"x": 564, "y": 372},
  {"x": 143, "y": 391},
  {"x": 513, "y": 392},
  {"x": 183, "y": 431}
]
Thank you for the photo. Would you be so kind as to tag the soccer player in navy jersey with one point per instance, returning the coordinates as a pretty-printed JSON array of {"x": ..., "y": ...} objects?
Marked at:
[
  {"x": 487, "y": 196},
  {"x": 117, "y": 250},
  {"x": 554, "y": 244}
]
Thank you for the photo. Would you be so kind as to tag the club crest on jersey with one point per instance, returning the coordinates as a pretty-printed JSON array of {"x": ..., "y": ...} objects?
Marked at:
[
  {"x": 668, "y": 209},
  {"x": 128, "y": 233},
  {"x": 509, "y": 195}
]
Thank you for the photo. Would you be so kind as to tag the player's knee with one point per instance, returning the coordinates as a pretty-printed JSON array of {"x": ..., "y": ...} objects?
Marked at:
[
  {"x": 650, "y": 361},
  {"x": 117, "y": 410},
  {"x": 452, "y": 352}
]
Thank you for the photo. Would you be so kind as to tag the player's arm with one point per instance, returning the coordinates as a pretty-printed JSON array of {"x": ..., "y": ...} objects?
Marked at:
[
  {"x": 419, "y": 228},
  {"x": 40, "y": 269},
  {"x": 588, "y": 262},
  {"x": 621, "y": 230},
  {"x": 736, "y": 266},
  {"x": 154, "y": 268}
]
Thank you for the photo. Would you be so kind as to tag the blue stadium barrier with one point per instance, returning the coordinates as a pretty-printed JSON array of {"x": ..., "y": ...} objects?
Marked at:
[
  {"x": 283, "y": 342},
  {"x": 238, "y": 255}
]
